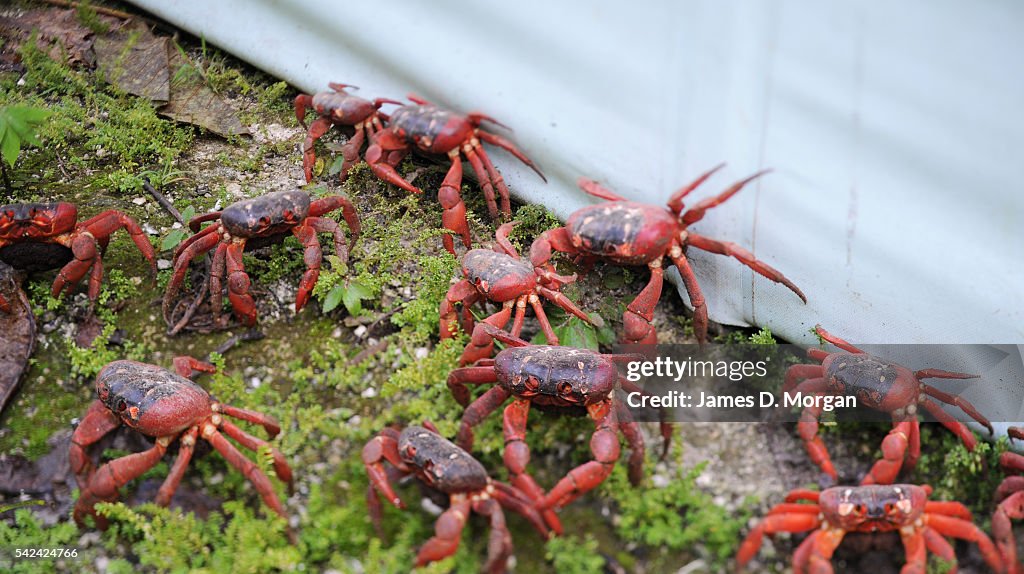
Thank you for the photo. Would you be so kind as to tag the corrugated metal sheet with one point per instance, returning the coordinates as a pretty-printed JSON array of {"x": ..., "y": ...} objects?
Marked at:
[{"x": 894, "y": 131}]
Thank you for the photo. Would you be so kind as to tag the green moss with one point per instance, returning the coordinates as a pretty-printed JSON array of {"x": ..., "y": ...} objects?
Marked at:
[
  {"x": 28, "y": 532},
  {"x": 574, "y": 555}
]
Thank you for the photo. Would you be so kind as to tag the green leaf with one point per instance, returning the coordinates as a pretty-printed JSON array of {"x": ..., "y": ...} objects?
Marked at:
[
  {"x": 333, "y": 298},
  {"x": 29, "y": 115},
  {"x": 336, "y": 166},
  {"x": 188, "y": 213},
  {"x": 173, "y": 239},
  {"x": 10, "y": 146},
  {"x": 354, "y": 295},
  {"x": 576, "y": 333}
]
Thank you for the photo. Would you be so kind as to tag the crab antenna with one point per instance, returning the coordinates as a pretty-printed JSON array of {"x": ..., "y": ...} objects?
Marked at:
[{"x": 502, "y": 335}]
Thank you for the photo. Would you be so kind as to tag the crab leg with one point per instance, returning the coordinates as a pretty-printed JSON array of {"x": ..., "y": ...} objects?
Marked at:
[
  {"x": 799, "y": 373},
  {"x": 328, "y": 225},
  {"x": 247, "y": 467},
  {"x": 460, "y": 292},
  {"x": 964, "y": 530},
  {"x": 108, "y": 478},
  {"x": 517, "y": 457},
  {"x": 675, "y": 203},
  {"x": 281, "y": 468},
  {"x": 477, "y": 411},
  {"x": 453, "y": 217},
  {"x": 86, "y": 252},
  {"x": 770, "y": 525},
  {"x": 313, "y": 256},
  {"x": 540, "y": 250},
  {"x": 508, "y": 146},
  {"x": 597, "y": 190},
  {"x": 385, "y": 151},
  {"x": 384, "y": 446},
  {"x": 745, "y": 257},
  {"x": 187, "y": 443},
  {"x": 326, "y": 205},
  {"x": 478, "y": 375},
  {"x": 604, "y": 445},
  {"x": 835, "y": 341},
  {"x": 484, "y": 177},
  {"x": 97, "y": 423},
  {"x": 956, "y": 427},
  {"x": 499, "y": 183},
  {"x": 317, "y": 129},
  {"x": 481, "y": 344},
  {"x": 940, "y": 547},
  {"x": 564, "y": 303},
  {"x": 802, "y": 554},
  {"x": 636, "y": 320},
  {"x": 242, "y": 302},
  {"x": 106, "y": 223},
  {"x": 217, "y": 269},
  {"x": 956, "y": 401},
  {"x": 202, "y": 245},
  {"x": 350, "y": 151},
  {"x": 188, "y": 242},
  {"x": 447, "y": 532},
  {"x": 664, "y": 426},
  {"x": 635, "y": 440},
  {"x": 501, "y": 237},
  {"x": 542, "y": 318},
  {"x": 894, "y": 448},
  {"x": 517, "y": 323},
  {"x": 1009, "y": 509},
  {"x": 499, "y": 545},
  {"x": 514, "y": 500},
  {"x": 268, "y": 422},
  {"x": 696, "y": 213},
  {"x": 700, "y": 308},
  {"x": 95, "y": 278},
  {"x": 815, "y": 446}
]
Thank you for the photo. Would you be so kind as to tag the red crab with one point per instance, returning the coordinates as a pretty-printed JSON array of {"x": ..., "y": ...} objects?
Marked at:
[
  {"x": 563, "y": 379},
  {"x": 1011, "y": 507},
  {"x": 253, "y": 223},
  {"x": 881, "y": 385},
  {"x": 631, "y": 233},
  {"x": 41, "y": 236},
  {"x": 167, "y": 407},
  {"x": 904, "y": 508},
  {"x": 499, "y": 276},
  {"x": 433, "y": 130},
  {"x": 339, "y": 108},
  {"x": 445, "y": 467}
]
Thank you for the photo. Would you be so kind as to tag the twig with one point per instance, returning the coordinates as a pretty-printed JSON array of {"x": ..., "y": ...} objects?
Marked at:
[
  {"x": 60, "y": 164},
  {"x": 367, "y": 352},
  {"x": 99, "y": 9},
  {"x": 7, "y": 182},
  {"x": 159, "y": 197},
  {"x": 250, "y": 335}
]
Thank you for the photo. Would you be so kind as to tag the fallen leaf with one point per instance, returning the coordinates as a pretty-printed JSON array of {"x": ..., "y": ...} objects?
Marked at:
[
  {"x": 194, "y": 103},
  {"x": 135, "y": 60},
  {"x": 17, "y": 334}
]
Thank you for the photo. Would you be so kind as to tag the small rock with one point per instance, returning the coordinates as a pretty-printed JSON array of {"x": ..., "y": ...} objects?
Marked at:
[
  {"x": 360, "y": 331},
  {"x": 163, "y": 264},
  {"x": 369, "y": 393},
  {"x": 137, "y": 200},
  {"x": 149, "y": 229},
  {"x": 336, "y": 333},
  {"x": 421, "y": 352},
  {"x": 430, "y": 507},
  {"x": 234, "y": 189},
  {"x": 255, "y": 382},
  {"x": 176, "y": 225}
]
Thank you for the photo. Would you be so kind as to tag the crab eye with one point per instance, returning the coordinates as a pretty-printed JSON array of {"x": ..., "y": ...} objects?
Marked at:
[
  {"x": 121, "y": 406},
  {"x": 564, "y": 388},
  {"x": 264, "y": 220}
]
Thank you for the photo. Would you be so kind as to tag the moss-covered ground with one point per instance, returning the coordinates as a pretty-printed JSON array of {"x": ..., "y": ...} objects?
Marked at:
[{"x": 332, "y": 378}]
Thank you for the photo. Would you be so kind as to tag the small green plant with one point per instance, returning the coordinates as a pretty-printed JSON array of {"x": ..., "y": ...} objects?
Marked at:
[
  {"x": 18, "y": 124},
  {"x": 572, "y": 555},
  {"x": 174, "y": 237}
]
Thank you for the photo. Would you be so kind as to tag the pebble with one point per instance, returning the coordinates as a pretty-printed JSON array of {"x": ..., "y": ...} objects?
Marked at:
[
  {"x": 368, "y": 393},
  {"x": 430, "y": 507},
  {"x": 162, "y": 264},
  {"x": 421, "y": 352},
  {"x": 255, "y": 382},
  {"x": 137, "y": 200},
  {"x": 360, "y": 331}
]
